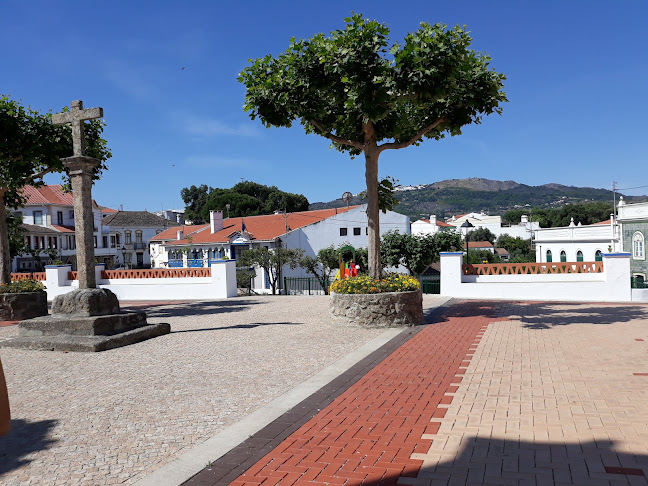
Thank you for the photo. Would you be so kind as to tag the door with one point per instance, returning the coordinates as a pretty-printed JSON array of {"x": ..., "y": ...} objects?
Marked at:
[{"x": 140, "y": 260}]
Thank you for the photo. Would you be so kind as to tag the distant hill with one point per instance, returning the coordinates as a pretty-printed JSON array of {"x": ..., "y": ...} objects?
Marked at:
[{"x": 458, "y": 196}]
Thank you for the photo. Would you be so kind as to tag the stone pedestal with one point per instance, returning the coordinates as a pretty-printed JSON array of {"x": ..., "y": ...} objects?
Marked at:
[
  {"x": 389, "y": 309},
  {"x": 85, "y": 320}
]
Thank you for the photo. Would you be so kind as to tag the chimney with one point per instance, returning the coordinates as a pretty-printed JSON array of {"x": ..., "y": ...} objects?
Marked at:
[
  {"x": 433, "y": 219},
  {"x": 180, "y": 235},
  {"x": 524, "y": 219},
  {"x": 216, "y": 221}
]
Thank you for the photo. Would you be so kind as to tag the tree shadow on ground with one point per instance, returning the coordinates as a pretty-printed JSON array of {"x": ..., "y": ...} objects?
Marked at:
[
  {"x": 539, "y": 315},
  {"x": 241, "y": 326},
  {"x": 516, "y": 462},
  {"x": 24, "y": 439},
  {"x": 196, "y": 308}
]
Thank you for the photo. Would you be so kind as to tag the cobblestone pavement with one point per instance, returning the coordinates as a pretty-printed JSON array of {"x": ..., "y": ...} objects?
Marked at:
[
  {"x": 113, "y": 417},
  {"x": 552, "y": 394}
]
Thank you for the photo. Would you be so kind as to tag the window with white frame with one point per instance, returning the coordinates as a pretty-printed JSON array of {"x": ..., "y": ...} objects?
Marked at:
[
  {"x": 638, "y": 246},
  {"x": 127, "y": 237}
]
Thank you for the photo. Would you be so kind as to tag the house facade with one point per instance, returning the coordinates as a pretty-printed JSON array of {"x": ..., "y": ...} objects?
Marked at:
[
  {"x": 311, "y": 231},
  {"x": 634, "y": 234},
  {"x": 576, "y": 242},
  {"x": 430, "y": 226},
  {"x": 524, "y": 229}
]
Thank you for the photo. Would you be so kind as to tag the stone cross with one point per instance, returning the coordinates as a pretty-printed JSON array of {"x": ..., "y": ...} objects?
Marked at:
[
  {"x": 80, "y": 168},
  {"x": 75, "y": 117}
]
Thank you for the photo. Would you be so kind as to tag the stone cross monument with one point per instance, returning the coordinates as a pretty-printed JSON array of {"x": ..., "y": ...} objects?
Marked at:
[{"x": 81, "y": 167}]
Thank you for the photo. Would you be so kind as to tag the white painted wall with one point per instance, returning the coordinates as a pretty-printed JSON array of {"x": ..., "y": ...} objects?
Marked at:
[
  {"x": 613, "y": 285},
  {"x": 221, "y": 285},
  {"x": 589, "y": 239}
]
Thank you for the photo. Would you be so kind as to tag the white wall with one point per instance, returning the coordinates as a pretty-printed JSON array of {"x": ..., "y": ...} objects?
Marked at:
[
  {"x": 589, "y": 239},
  {"x": 613, "y": 285}
]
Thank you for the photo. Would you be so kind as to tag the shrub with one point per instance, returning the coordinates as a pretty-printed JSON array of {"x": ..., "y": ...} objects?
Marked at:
[
  {"x": 22, "y": 286},
  {"x": 363, "y": 284}
]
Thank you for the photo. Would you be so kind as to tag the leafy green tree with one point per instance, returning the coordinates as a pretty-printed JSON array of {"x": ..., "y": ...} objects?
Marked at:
[
  {"x": 446, "y": 241},
  {"x": 416, "y": 252},
  {"x": 481, "y": 234},
  {"x": 244, "y": 278},
  {"x": 16, "y": 236},
  {"x": 321, "y": 266},
  {"x": 195, "y": 198},
  {"x": 355, "y": 90},
  {"x": 477, "y": 257},
  {"x": 386, "y": 197},
  {"x": 519, "y": 249},
  {"x": 272, "y": 261},
  {"x": 31, "y": 147}
]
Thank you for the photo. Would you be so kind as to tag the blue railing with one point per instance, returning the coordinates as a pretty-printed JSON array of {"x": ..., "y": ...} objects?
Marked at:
[
  {"x": 194, "y": 262},
  {"x": 175, "y": 263}
]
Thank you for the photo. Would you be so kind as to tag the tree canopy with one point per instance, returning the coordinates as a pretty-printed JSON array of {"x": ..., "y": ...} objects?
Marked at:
[
  {"x": 245, "y": 199},
  {"x": 416, "y": 252},
  {"x": 31, "y": 147},
  {"x": 355, "y": 89},
  {"x": 481, "y": 234},
  {"x": 585, "y": 213}
]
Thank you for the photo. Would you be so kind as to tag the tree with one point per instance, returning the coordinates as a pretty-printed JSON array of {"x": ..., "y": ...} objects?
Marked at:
[
  {"x": 416, "y": 252},
  {"x": 519, "y": 249},
  {"x": 272, "y": 261},
  {"x": 477, "y": 257},
  {"x": 481, "y": 234},
  {"x": 352, "y": 89},
  {"x": 15, "y": 235},
  {"x": 31, "y": 147},
  {"x": 322, "y": 265},
  {"x": 195, "y": 199}
]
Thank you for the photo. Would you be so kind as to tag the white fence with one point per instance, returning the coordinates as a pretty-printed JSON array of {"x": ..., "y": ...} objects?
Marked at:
[
  {"x": 217, "y": 282},
  {"x": 606, "y": 281}
]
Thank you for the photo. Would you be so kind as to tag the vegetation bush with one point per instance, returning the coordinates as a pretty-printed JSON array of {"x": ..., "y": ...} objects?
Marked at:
[
  {"x": 22, "y": 286},
  {"x": 363, "y": 284}
]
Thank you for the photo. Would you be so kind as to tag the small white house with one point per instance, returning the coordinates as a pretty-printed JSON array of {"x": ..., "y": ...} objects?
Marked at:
[
  {"x": 430, "y": 226},
  {"x": 524, "y": 229}
]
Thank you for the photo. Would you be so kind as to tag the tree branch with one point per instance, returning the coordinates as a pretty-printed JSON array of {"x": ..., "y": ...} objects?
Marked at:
[
  {"x": 335, "y": 138},
  {"x": 39, "y": 175},
  {"x": 412, "y": 140}
]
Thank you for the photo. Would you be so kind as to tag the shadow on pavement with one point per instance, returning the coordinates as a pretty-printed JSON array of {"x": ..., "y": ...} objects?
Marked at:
[
  {"x": 241, "y": 326},
  {"x": 515, "y": 462},
  {"x": 24, "y": 439},
  {"x": 196, "y": 308}
]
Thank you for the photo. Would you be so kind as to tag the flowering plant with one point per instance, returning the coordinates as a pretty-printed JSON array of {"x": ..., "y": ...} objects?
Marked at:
[
  {"x": 27, "y": 285},
  {"x": 363, "y": 284}
]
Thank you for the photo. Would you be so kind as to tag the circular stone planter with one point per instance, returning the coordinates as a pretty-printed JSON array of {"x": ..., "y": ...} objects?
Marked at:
[
  {"x": 389, "y": 309},
  {"x": 16, "y": 307}
]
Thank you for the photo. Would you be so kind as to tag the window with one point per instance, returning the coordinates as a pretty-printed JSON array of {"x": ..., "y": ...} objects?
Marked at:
[
  {"x": 71, "y": 214},
  {"x": 138, "y": 237},
  {"x": 112, "y": 241},
  {"x": 36, "y": 243},
  {"x": 579, "y": 256},
  {"x": 59, "y": 217},
  {"x": 549, "y": 259},
  {"x": 104, "y": 241},
  {"x": 598, "y": 256},
  {"x": 356, "y": 231},
  {"x": 343, "y": 231},
  {"x": 638, "y": 246},
  {"x": 95, "y": 241},
  {"x": 367, "y": 230},
  {"x": 28, "y": 242},
  {"x": 563, "y": 256},
  {"x": 118, "y": 238},
  {"x": 127, "y": 238},
  {"x": 38, "y": 217}
]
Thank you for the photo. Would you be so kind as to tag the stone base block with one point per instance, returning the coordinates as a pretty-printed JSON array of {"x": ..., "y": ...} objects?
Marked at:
[
  {"x": 16, "y": 307},
  {"x": 88, "y": 343},
  {"x": 72, "y": 325},
  {"x": 389, "y": 309},
  {"x": 86, "y": 302}
]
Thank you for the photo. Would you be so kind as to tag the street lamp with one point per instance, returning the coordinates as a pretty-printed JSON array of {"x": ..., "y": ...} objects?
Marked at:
[
  {"x": 465, "y": 227},
  {"x": 124, "y": 257}
]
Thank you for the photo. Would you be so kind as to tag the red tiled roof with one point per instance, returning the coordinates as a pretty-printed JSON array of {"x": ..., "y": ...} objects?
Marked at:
[
  {"x": 479, "y": 244},
  {"x": 171, "y": 233},
  {"x": 438, "y": 223},
  {"x": 263, "y": 228},
  {"x": 603, "y": 222},
  {"x": 63, "y": 229},
  {"x": 52, "y": 194},
  {"x": 108, "y": 210}
]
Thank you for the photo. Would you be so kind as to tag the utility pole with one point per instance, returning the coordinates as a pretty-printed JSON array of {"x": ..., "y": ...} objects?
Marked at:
[{"x": 614, "y": 188}]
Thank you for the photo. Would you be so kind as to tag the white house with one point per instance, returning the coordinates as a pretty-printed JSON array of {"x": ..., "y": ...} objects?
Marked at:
[
  {"x": 524, "y": 229},
  {"x": 429, "y": 226},
  {"x": 576, "y": 242},
  {"x": 633, "y": 219},
  {"x": 197, "y": 245}
]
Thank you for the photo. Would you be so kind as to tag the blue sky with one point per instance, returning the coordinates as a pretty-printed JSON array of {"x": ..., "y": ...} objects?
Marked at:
[{"x": 165, "y": 74}]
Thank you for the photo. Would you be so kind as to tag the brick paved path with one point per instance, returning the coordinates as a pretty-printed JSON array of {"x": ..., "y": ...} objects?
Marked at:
[{"x": 552, "y": 394}]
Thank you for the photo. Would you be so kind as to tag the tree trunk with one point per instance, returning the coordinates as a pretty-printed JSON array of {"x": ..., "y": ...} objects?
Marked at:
[
  {"x": 373, "y": 211},
  {"x": 5, "y": 257}
]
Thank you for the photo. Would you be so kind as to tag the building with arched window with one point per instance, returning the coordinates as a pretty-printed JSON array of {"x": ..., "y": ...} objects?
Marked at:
[{"x": 634, "y": 228}]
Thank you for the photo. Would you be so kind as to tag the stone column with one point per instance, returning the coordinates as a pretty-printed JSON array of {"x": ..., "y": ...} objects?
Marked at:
[{"x": 81, "y": 169}]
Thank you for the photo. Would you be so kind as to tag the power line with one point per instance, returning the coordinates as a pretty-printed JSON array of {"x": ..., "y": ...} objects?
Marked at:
[{"x": 630, "y": 188}]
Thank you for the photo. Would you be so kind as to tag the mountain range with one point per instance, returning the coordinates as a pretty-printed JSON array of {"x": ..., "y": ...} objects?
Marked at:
[{"x": 458, "y": 196}]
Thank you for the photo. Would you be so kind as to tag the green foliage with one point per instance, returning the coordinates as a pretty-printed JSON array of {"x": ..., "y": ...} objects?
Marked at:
[
  {"x": 519, "y": 249},
  {"x": 16, "y": 236},
  {"x": 481, "y": 234},
  {"x": 585, "y": 213},
  {"x": 244, "y": 278},
  {"x": 416, "y": 252},
  {"x": 363, "y": 284},
  {"x": 272, "y": 261},
  {"x": 245, "y": 199},
  {"x": 22, "y": 286},
  {"x": 322, "y": 266},
  {"x": 482, "y": 256}
]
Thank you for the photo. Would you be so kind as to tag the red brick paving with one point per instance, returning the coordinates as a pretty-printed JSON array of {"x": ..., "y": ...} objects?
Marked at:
[{"x": 368, "y": 434}]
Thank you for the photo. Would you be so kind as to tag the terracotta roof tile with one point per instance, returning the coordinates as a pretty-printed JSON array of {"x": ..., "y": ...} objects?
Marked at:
[
  {"x": 52, "y": 194},
  {"x": 479, "y": 244},
  {"x": 260, "y": 228}
]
